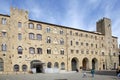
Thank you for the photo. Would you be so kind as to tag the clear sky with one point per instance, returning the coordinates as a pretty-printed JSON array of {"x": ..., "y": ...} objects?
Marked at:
[{"x": 80, "y": 14}]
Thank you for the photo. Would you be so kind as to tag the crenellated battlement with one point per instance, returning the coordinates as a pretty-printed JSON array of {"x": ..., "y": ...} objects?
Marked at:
[
  {"x": 18, "y": 14},
  {"x": 21, "y": 11}
]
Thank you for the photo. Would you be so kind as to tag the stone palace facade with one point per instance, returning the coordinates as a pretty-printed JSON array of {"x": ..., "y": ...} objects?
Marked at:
[{"x": 44, "y": 47}]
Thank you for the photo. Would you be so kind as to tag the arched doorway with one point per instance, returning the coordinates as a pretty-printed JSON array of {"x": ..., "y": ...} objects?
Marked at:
[
  {"x": 74, "y": 64},
  {"x": 85, "y": 63},
  {"x": 94, "y": 63},
  {"x": 37, "y": 65},
  {"x": 1, "y": 64}
]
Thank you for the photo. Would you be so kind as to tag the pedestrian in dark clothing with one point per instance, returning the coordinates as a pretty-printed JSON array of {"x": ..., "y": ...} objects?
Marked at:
[
  {"x": 77, "y": 70},
  {"x": 92, "y": 72}
]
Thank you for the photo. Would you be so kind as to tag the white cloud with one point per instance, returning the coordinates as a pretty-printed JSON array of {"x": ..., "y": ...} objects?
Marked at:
[{"x": 78, "y": 14}]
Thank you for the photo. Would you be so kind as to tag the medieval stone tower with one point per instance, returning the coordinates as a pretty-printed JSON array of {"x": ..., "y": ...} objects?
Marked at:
[{"x": 104, "y": 27}]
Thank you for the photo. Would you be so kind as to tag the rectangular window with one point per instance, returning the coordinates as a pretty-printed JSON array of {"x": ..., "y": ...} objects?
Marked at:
[
  {"x": 19, "y": 24},
  {"x": 48, "y": 39},
  {"x": 103, "y": 54},
  {"x": 70, "y": 32},
  {"x": 77, "y": 51},
  {"x": 77, "y": 43},
  {"x": 81, "y": 43},
  {"x": 76, "y": 34},
  {"x": 96, "y": 46},
  {"x": 72, "y": 51},
  {"x": 86, "y": 44},
  {"x": 71, "y": 43},
  {"x": 48, "y": 30},
  {"x": 82, "y": 51},
  {"x": 62, "y": 52},
  {"x": 91, "y": 45},
  {"x": 19, "y": 36},
  {"x": 39, "y": 50},
  {"x": 61, "y": 31},
  {"x": 92, "y": 52},
  {"x": 61, "y": 41},
  {"x": 4, "y": 47},
  {"x": 87, "y": 52},
  {"x": 48, "y": 51},
  {"x": 4, "y": 20}
]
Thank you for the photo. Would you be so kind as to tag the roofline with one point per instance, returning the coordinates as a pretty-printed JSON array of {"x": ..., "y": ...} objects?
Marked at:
[
  {"x": 59, "y": 26},
  {"x": 115, "y": 37},
  {"x": 64, "y": 27},
  {"x": 4, "y": 15}
]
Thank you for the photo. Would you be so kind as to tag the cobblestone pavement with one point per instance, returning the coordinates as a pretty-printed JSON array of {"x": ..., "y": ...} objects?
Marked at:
[{"x": 55, "y": 76}]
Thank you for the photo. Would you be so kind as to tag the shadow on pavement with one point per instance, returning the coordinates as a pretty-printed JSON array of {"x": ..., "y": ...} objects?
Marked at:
[{"x": 108, "y": 73}]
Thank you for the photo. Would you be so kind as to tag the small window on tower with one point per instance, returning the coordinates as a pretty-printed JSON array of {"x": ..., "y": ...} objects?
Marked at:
[{"x": 19, "y": 24}]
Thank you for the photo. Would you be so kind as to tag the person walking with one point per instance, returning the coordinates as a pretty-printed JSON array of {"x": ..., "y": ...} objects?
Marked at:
[
  {"x": 92, "y": 72},
  {"x": 84, "y": 73}
]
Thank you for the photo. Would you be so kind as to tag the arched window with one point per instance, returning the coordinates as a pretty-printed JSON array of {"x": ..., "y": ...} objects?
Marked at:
[
  {"x": 20, "y": 50},
  {"x": 49, "y": 64},
  {"x": 24, "y": 67},
  {"x": 31, "y": 26},
  {"x": 1, "y": 64},
  {"x": 31, "y": 36},
  {"x": 31, "y": 50},
  {"x": 48, "y": 39},
  {"x": 4, "y": 47},
  {"x": 39, "y": 37},
  {"x": 39, "y": 27},
  {"x": 56, "y": 65},
  {"x": 62, "y": 66},
  {"x": 16, "y": 67}
]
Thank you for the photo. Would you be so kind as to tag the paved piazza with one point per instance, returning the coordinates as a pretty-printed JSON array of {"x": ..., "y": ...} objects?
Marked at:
[{"x": 56, "y": 76}]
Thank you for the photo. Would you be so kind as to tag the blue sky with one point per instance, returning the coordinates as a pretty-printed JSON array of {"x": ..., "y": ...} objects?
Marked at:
[{"x": 81, "y": 14}]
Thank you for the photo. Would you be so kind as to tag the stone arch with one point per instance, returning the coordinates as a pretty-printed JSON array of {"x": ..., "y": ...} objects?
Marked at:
[
  {"x": 94, "y": 63},
  {"x": 74, "y": 64},
  {"x": 1, "y": 64},
  {"x": 85, "y": 63},
  {"x": 37, "y": 65}
]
